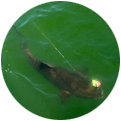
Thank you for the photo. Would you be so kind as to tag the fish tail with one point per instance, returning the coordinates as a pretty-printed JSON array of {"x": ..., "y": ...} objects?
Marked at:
[
  {"x": 17, "y": 31},
  {"x": 24, "y": 45},
  {"x": 32, "y": 60},
  {"x": 37, "y": 64}
]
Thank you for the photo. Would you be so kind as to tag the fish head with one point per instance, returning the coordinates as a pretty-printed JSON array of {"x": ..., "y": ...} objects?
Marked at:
[
  {"x": 93, "y": 91},
  {"x": 96, "y": 91}
]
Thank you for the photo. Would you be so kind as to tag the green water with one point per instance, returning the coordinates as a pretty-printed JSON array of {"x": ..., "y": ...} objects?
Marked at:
[{"x": 82, "y": 37}]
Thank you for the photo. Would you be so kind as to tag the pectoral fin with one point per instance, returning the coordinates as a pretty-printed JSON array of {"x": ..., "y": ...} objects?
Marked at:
[{"x": 64, "y": 95}]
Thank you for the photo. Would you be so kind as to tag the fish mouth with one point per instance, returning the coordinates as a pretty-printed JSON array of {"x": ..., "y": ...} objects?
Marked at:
[{"x": 100, "y": 96}]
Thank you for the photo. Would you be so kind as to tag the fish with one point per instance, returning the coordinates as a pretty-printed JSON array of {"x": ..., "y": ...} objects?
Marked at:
[{"x": 69, "y": 83}]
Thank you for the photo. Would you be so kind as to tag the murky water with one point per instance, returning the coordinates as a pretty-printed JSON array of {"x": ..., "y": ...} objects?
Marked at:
[{"x": 81, "y": 36}]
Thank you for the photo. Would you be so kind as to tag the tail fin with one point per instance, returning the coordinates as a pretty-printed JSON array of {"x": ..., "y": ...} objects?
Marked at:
[
  {"x": 24, "y": 44},
  {"x": 18, "y": 31},
  {"x": 37, "y": 64}
]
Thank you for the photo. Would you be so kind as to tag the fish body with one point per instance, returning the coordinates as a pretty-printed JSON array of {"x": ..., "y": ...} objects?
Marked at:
[{"x": 69, "y": 83}]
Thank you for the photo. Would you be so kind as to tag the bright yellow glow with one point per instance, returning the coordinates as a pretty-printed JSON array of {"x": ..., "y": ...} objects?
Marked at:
[{"x": 96, "y": 83}]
